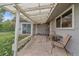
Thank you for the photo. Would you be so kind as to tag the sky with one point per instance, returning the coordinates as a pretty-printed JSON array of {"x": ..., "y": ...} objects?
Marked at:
[{"x": 8, "y": 16}]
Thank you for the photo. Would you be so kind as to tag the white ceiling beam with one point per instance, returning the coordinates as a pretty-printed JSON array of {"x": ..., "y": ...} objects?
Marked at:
[
  {"x": 29, "y": 16},
  {"x": 12, "y": 11},
  {"x": 39, "y": 8},
  {"x": 5, "y": 4},
  {"x": 40, "y": 16},
  {"x": 7, "y": 9},
  {"x": 24, "y": 18},
  {"x": 22, "y": 11},
  {"x": 43, "y": 13}
]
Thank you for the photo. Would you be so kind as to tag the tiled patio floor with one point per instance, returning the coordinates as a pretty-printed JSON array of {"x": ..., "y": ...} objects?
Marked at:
[{"x": 42, "y": 47}]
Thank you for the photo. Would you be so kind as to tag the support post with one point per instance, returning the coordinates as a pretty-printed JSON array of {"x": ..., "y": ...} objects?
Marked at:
[
  {"x": 36, "y": 29},
  {"x": 32, "y": 29},
  {"x": 16, "y": 32}
]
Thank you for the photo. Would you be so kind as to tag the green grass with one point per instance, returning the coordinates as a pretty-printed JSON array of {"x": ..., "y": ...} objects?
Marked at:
[{"x": 6, "y": 39}]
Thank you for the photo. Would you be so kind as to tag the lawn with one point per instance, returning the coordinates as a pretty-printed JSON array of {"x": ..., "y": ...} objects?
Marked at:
[{"x": 6, "y": 39}]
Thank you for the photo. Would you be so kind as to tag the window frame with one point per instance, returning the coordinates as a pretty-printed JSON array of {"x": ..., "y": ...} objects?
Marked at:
[
  {"x": 71, "y": 7},
  {"x": 26, "y": 24}
]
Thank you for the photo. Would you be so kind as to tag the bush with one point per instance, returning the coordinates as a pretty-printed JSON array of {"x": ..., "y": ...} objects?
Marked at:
[{"x": 6, "y": 39}]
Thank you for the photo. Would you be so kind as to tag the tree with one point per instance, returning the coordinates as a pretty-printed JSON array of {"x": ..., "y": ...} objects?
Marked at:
[
  {"x": 8, "y": 25},
  {"x": 2, "y": 11},
  {"x": 13, "y": 21},
  {"x": 0, "y": 26}
]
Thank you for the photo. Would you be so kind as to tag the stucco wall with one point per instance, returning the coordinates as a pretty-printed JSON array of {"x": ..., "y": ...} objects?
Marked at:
[
  {"x": 34, "y": 28},
  {"x": 42, "y": 29},
  {"x": 73, "y": 45}
]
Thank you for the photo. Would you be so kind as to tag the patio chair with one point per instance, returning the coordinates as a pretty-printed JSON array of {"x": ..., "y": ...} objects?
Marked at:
[{"x": 63, "y": 43}]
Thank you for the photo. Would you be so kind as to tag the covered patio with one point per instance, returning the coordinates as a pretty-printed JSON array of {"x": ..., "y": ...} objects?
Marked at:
[
  {"x": 38, "y": 15},
  {"x": 41, "y": 46}
]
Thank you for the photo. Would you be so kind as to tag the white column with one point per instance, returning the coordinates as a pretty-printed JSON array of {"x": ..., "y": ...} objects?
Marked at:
[
  {"x": 32, "y": 29},
  {"x": 36, "y": 29},
  {"x": 16, "y": 32}
]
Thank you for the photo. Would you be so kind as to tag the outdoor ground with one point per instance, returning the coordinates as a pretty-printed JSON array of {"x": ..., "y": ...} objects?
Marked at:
[
  {"x": 6, "y": 39},
  {"x": 41, "y": 46}
]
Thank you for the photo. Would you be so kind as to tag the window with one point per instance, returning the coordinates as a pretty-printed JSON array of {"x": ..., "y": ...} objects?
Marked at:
[
  {"x": 58, "y": 22},
  {"x": 65, "y": 20},
  {"x": 26, "y": 28}
]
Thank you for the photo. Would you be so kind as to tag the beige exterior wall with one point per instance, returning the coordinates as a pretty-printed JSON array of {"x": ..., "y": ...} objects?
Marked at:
[{"x": 41, "y": 29}]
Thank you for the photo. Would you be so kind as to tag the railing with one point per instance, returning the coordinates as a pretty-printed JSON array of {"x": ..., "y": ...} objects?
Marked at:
[{"x": 22, "y": 42}]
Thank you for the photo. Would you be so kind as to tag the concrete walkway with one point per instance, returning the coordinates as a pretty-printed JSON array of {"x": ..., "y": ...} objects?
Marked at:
[{"x": 42, "y": 47}]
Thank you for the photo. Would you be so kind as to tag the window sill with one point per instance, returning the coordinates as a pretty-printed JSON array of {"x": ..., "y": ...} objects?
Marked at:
[{"x": 65, "y": 28}]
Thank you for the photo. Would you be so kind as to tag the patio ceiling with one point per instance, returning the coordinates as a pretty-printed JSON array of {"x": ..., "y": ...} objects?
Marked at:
[
  {"x": 60, "y": 7},
  {"x": 35, "y": 12}
]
